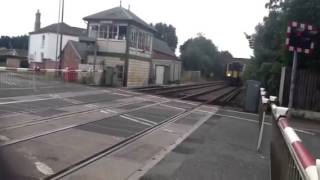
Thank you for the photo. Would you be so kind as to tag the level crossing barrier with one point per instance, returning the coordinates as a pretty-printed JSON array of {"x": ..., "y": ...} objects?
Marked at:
[{"x": 290, "y": 159}]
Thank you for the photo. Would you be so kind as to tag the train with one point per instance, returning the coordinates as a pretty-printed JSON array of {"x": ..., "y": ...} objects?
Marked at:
[{"x": 233, "y": 73}]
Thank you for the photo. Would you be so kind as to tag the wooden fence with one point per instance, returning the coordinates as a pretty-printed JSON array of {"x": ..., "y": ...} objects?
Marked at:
[{"x": 307, "y": 90}]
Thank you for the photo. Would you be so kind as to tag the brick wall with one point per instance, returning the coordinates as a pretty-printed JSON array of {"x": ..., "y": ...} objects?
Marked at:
[
  {"x": 138, "y": 73},
  {"x": 70, "y": 58}
]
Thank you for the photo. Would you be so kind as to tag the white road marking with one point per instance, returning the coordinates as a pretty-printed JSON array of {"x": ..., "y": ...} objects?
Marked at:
[
  {"x": 126, "y": 95},
  {"x": 105, "y": 112},
  {"x": 142, "y": 119},
  {"x": 54, "y": 95},
  {"x": 266, "y": 123},
  {"x": 128, "y": 91},
  {"x": 112, "y": 111},
  {"x": 205, "y": 111},
  {"x": 43, "y": 87},
  {"x": 135, "y": 120},
  {"x": 23, "y": 101},
  {"x": 92, "y": 106},
  {"x": 227, "y": 110},
  {"x": 168, "y": 130},
  {"x": 186, "y": 102},
  {"x": 172, "y": 107},
  {"x": 43, "y": 168}
]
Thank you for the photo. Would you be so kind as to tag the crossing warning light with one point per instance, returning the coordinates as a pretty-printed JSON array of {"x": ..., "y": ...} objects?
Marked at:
[{"x": 300, "y": 37}]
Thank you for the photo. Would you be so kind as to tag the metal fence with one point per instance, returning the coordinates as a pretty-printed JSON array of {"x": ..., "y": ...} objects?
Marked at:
[
  {"x": 20, "y": 78},
  {"x": 290, "y": 160}
]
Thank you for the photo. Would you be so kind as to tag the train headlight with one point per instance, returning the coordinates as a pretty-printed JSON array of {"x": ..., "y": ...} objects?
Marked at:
[{"x": 229, "y": 74}]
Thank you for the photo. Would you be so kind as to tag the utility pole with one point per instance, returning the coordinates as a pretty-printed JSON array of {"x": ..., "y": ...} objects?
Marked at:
[
  {"x": 61, "y": 35},
  {"x": 58, "y": 30}
]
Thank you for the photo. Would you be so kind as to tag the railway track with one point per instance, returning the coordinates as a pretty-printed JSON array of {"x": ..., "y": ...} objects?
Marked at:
[
  {"x": 216, "y": 92},
  {"x": 44, "y": 133},
  {"x": 122, "y": 144},
  {"x": 41, "y": 131},
  {"x": 93, "y": 108}
]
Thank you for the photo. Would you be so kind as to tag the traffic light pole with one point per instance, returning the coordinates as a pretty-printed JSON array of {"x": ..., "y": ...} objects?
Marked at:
[{"x": 293, "y": 78}]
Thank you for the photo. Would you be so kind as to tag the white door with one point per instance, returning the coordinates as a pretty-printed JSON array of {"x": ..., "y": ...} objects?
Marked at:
[{"x": 159, "y": 75}]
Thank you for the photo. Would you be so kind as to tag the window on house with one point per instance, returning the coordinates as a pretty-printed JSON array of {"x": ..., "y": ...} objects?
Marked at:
[
  {"x": 93, "y": 30},
  {"x": 113, "y": 31},
  {"x": 141, "y": 40},
  {"x": 122, "y": 32},
  {"x": 43, "y": 41},
  {"x": 104, "y": 31},
  {"x": 133, "y": 39}
]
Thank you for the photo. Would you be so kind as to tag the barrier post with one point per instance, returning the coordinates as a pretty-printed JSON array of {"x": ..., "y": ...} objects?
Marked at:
[
  {"x": 260, "y": 110},
  {"x": 265, "y": 102}
]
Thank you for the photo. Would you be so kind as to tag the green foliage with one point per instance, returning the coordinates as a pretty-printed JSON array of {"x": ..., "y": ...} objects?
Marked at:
[
  {"x": 250, "y": 72},
  {"x": 200, "y": 54},
  {"x": 168, "y": 34},
  {"x": 17, "y": 42},
  {"x": 270, "y": 53}
]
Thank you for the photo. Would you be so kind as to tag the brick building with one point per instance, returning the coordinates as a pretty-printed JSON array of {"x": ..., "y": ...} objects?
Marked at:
[{"x": 126, "y": 51}]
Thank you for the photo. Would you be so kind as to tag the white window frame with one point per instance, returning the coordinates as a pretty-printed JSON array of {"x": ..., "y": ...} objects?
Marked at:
[{"x": 90, "y": 30}]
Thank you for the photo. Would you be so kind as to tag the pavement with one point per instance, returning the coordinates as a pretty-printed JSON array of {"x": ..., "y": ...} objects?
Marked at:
[
  {"x": 222, "y": 148},
  {"x": 54, "y": 127}
]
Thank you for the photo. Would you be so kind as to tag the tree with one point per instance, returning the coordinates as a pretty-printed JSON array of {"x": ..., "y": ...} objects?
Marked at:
[
  {"x": 168, "y": 34},
  {"x": 200, "y": 54},
  {"x": 270, "y": 52},
  {"x": 17, "y": 42}
]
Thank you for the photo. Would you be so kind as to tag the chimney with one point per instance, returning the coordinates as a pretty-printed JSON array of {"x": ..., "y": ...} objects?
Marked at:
[{"x": 37, "y": 24}]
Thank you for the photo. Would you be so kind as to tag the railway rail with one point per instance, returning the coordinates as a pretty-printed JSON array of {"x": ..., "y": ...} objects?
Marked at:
[
  {"x": 33, "y": 130},
  {"x": 216, "y": 92},
  {"x": 45, "y": 128},
  {"x": 77, "y": 166}
]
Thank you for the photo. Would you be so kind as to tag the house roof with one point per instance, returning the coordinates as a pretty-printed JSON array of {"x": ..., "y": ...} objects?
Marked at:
[
  {"x": 162, "y": 47},
  {"x": 81, "y": 48},
  {"x": 118, "y": 13},
  {"x": 13, "y": 52},
  {"x": 64, "y": 29}
]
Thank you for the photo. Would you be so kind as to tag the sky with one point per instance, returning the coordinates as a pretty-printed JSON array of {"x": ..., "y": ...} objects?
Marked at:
[{"x": 222, "y": 21}]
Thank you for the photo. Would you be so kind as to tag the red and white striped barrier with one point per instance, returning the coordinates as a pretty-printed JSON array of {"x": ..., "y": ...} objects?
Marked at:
[
  {"x": 305, "y": 159},
  {"x": 307, "y": 163},
  {"x": 45, "y": 70}
]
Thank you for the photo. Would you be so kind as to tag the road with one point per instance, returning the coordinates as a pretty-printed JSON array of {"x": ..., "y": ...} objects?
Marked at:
[
  {"x": 44, "y": 133},
  {"x": 71, "y": 131}
]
